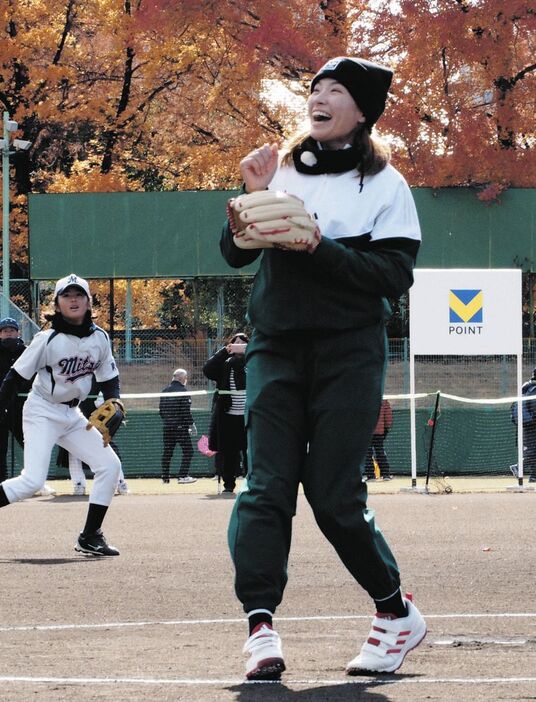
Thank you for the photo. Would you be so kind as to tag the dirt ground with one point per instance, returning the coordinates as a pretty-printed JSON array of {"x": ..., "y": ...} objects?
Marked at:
[{"x": 161, "y": 622}]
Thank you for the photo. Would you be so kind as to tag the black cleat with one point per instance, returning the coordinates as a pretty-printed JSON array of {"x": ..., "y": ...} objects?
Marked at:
[{"x": 95, "y": 545}]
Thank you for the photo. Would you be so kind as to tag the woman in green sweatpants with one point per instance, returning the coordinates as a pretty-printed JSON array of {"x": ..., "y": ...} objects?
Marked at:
[
  {"x": 305, "y": 426},
  {"x": 316, "y": 362}
]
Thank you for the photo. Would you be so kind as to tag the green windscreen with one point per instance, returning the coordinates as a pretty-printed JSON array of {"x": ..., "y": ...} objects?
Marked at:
[
  {"x": 176, "y": 234},
  {"x": 460, "y": 231},
  {"x": 128, "y": 235}
]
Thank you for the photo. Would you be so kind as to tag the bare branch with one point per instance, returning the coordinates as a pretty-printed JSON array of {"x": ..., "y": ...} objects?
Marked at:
[{"x": 69, "y": 16}]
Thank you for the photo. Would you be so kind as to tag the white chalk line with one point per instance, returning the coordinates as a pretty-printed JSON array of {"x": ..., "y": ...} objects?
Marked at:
[
  {"x": 218, "y": 682},
  {"x": 363, "y": 681},
  {"x": 196, "y": 622}
]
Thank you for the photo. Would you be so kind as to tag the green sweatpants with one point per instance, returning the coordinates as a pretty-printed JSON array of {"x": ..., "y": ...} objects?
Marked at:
[{"x": 312, "y": 404}]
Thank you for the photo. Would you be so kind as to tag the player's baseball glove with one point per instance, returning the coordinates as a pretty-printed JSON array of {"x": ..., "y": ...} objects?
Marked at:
[
  {"x": 107, "y": 419},
  {"x": 271, "y": 219}
]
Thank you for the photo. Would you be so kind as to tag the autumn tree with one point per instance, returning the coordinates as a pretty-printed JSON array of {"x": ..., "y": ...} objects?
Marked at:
[
  {"x": 464, "y": 95},
  {"x": 116, "y": 91},
  {"x": 169, "y": 94},
  {"x": 149, "y": 95},
  {"x": 205, "y": 307}
]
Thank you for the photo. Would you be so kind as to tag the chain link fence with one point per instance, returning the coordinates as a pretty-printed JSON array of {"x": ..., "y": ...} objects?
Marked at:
[
  {"x": 20, "y": 307},
  {"x": 186, "y": 321},
  {"x": 158, "y": 326}
]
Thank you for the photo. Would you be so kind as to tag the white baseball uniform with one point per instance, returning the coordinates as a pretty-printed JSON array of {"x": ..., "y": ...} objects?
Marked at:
[{"x": 64, "y": 364}]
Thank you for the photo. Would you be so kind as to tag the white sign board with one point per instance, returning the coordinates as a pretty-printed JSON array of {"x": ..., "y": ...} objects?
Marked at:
[{"x": 465, "y": 312}]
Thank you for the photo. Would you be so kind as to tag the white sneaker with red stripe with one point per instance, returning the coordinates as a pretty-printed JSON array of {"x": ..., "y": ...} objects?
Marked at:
[
  {"x": 265, "y": 660},
  {"x": 389, "y": 640}
]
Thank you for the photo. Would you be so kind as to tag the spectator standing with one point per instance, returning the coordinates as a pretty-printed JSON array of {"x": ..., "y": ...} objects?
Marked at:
[
  {"x": 176, "y": 415},
  {"x": 529, "y": 427},
  {"x": 227, "y": 367},
  {"x": 376, "y": 450}
]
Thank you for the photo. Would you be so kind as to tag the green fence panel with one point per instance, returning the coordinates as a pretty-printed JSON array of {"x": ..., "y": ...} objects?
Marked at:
[
  {"x": 469, "y": 440},
  {"x": 176, "y": 234}
]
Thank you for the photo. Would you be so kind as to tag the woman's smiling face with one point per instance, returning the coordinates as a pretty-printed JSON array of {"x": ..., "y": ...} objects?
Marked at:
[{"x": 333, "y": 114}]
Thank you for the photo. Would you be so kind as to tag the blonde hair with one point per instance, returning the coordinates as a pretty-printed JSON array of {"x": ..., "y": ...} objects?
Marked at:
[{"x": 374, "y": 152}]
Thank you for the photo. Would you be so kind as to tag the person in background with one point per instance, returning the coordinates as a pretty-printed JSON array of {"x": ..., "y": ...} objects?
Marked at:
[
  {"x": 316, "y": 361},
  {"x": 227, "y": 367},
  {"x": 176, "y": 415},
  {"x": 376, "y": 450},
  {"x": 529, "y": 429},
  {"x": 62, "y": 360}
]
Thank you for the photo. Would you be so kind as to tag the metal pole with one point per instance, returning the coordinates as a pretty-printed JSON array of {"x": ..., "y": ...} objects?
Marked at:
[
  {"x": 405, "y": 366},
  {"x": 412, "y": 423},
  {"x": 531, "y": 304},
  {"x": 5, "y": 220},
  {"x": 111, "y": 331},
  {"x": 128, "y": 322}
]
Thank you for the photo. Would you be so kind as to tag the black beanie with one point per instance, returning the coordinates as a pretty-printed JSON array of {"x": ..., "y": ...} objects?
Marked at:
[{"x": 368, "y": 83}]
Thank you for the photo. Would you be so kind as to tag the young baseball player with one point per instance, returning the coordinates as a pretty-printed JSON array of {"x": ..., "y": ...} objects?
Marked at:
[
  {"x": 64, "y": 359},
  {"x": 317, "y": 357}
]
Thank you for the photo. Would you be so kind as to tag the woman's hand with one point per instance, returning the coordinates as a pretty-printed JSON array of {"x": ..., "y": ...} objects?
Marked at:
[
  {"x": 259, "y": 167},
  {"x": 236, "y": 348}
]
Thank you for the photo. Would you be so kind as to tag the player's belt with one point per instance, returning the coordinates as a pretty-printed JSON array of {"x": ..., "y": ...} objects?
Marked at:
[{"x": 72, "y": 403}]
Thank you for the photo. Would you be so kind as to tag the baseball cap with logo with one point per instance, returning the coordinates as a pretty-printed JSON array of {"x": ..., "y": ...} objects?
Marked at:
[
  {"x": 70, "y": 281},
  {"x": 9, "y": 323},
  {"x": 368, "y": 83}
]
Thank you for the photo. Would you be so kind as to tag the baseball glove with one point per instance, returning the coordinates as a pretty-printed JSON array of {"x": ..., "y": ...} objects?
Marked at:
[
  {"x": 271, "y": 219},
  {"x": 107, "y": 419}
]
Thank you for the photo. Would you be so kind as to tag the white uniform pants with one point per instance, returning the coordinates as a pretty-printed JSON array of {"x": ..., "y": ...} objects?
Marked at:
[
  {"x": 46, "y": 424},
  {"x": 76, "y": 471}
]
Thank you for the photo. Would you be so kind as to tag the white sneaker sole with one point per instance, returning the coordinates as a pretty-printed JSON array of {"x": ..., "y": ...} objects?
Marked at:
[{"x": 367, "y": 671}]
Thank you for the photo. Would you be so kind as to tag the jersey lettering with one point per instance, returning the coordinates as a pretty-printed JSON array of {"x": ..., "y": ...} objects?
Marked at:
[{"x": 75, "y": 367}]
